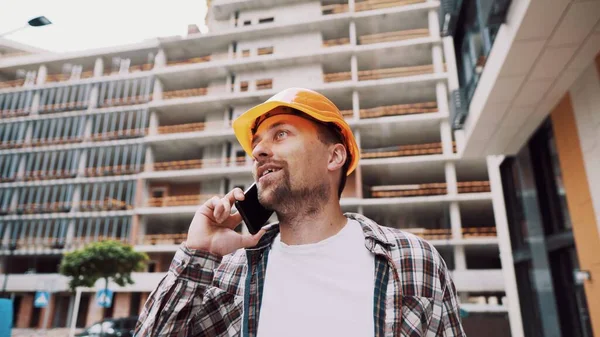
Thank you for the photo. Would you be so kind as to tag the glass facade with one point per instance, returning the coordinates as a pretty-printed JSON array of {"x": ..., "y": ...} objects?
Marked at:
[
  {"x": 473, "y": 25},
  {"x": 552, "y": 302}
]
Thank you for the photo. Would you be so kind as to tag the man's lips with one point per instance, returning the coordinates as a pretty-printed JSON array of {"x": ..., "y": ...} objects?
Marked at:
[
  {"x": 266, "y": 169},
  {"x": 268, "y": 174}
]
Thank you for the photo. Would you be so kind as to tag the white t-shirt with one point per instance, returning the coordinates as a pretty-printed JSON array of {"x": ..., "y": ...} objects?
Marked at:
[{"x": 320, "y": 289}]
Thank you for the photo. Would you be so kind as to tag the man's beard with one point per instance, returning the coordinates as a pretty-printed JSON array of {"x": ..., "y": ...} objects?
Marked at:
[{"x": 285, "y": 200}]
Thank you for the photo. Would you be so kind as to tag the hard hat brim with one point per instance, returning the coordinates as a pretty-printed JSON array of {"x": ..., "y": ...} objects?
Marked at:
[{"x": 242, "y": 126}]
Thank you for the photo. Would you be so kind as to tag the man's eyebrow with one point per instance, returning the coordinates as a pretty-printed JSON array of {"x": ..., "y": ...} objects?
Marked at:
[{"x": 271, "y": 127}]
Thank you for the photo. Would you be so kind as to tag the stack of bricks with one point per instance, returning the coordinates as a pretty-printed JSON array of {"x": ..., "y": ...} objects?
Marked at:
[
  {"x": 394, "y": 191},
  {"x": 185, "y": 93},
  {"x": 393, "y": 36},
  {"x": 378, "y": 4}
]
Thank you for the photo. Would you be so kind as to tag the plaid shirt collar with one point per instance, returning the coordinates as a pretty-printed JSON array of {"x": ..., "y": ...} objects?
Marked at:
[{"x": 371, "y": 230}]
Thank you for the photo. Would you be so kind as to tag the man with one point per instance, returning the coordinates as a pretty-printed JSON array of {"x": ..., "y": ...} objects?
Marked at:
[{"x": 318, "y": 271}]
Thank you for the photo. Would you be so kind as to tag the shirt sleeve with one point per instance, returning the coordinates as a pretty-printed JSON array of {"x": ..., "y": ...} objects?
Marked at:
[
  {"x": 451, "y": 324},
  {"x": 186, "y": 304}
]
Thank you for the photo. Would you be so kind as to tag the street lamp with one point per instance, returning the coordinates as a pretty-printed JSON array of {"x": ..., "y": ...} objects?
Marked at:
[{"x": 35, "y": 22}]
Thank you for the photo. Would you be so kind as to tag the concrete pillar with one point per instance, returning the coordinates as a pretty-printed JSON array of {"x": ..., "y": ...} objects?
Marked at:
[
  {"x": 504, "y": 246},
  {"x": 25, "y": 311},
  {"x": 446, "y": 136},
  {"x": 149, "y": 163},
  {"x": 77, "y": 197},
  {"x": 28, "y": 134},
  {"x": 98, "y": 67},
  {"x": 82, "y": 163},
  {"x": 22, "y": 166},
  {"x": 450, "y": 172},
  {"x": 157, "y": 93},
  {"x": 70, "y": 310},
  {"x": 153, "y": 124},
  {"x": 460, "y": 259},
  {"x": 160, "y": 60},
  {"x": 433, "y": 24},
  {"x": 354, "y": 68},
  {"x": 351, "y": 5},
  {"x": 450, "y": 58},
  {"x": 134, "y": 237},
  {"x": 94, "y": 97},
  {"x": 5, "y": 242},
  {"x": 353, "y": 37},
  {"x": 459, "y": 136},
  {"x": 35, "y": 103},
  {"x": 355, "y": 105},
  {"x": 441, "y": 96},
  {"x": 122, "y": 304},
  {"x": 230, "y": 54},
  {"x": 224, "y": 155},
  {"x": 455, "y": 221},
  {"x": 358, "y": 171},
  {"x": 69, "y": 238},
  {"x": 42, "y": 74},
  {"x": 438, "y": 59},
  {"x": 14, "y": 201},
  {"x": 437, "y": 52}
]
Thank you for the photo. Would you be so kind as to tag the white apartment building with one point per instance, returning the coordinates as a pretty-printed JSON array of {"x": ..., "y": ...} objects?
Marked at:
[{"x": 123, "y": 143}]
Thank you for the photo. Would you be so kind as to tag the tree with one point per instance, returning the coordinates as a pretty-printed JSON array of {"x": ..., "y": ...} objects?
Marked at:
[{"x": 102, "y": 260}]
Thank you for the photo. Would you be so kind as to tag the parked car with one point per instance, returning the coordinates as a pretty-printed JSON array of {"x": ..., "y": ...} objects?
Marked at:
[{"x": 111, "y": 327}]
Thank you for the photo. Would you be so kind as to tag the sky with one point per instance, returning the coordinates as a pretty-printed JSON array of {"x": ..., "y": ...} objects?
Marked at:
[{"x": 90, "y": 24}]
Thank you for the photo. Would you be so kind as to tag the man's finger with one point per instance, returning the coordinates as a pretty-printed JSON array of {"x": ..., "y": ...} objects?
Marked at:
[
  {"x": 233, "y": 221},
  {"x": 249, "y": 240},
  {"x": 235, "y": 194},
  {"x": 226, "y": 210}
]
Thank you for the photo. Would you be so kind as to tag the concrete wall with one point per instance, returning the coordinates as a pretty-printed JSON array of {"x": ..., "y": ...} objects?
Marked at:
[
  {"x": 214, "y": 116},
  {"x": 213, "y": 151},
  {"x": 585, "y": 97},
  {"x": 289, "y": 44},
  {"x": 308, "y": 75},
  {"x": 211, "y": 187},
  {"x": 240, "y": 109},
  {"x": 240, "y": 181},
  {"x": 282, "y": 14}
]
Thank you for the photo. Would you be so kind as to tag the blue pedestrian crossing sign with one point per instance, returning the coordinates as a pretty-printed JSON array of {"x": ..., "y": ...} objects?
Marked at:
[
  {"x": 41, "y": 299},
  {"x": 104, "y": 298}
]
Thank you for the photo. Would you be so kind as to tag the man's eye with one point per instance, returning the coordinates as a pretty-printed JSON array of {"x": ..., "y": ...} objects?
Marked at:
[{"x": 280, "y": 134}]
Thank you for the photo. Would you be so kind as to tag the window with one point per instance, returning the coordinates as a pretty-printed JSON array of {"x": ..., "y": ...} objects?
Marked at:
[
  {"x": 244, "y": 86},
  {"x": 247, "y": 23},
  {"x": 542, "y": 240},
  {"x": 266, "y": 20},
  {"x": 246, "y": 53}
]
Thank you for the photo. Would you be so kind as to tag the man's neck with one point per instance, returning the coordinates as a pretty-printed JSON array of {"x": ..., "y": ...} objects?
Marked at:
[{"x": 305, "y": 228}]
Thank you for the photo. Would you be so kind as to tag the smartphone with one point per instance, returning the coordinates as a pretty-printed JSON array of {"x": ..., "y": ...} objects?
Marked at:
[{"x": 254, "y": 214}]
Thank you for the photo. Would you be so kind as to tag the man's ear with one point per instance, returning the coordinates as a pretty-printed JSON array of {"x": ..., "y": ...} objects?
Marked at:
[{"x": 337, "y": 157}]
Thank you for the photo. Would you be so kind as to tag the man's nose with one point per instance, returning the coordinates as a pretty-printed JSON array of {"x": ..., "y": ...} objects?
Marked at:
[{"x": 262, "y": 150}]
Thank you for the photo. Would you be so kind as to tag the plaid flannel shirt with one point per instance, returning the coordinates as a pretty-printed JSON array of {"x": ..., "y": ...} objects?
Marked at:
[{"x": 206, "y": 295}]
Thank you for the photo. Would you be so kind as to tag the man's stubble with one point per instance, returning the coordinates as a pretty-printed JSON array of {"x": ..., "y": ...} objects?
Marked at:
[{"x": 289, "y": 202}]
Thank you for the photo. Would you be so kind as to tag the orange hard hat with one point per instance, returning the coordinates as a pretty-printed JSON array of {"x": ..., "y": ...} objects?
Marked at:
[{"x": 309, "y": 102}]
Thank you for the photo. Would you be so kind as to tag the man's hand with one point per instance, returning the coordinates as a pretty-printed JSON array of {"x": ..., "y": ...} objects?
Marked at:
[{"x": 212, "y": 228}]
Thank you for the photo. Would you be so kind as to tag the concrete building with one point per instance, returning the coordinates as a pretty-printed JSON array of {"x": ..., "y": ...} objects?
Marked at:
[
  {"x": 529, "y": 101},
  {"x": 124, "y": 143}
]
